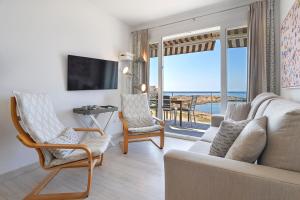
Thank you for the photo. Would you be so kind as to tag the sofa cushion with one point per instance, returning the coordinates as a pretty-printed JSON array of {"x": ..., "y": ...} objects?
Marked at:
[
  {"x": 262, "y": 108},
  {"x": 200, "y": 147},
  {"x": 258, "y": 100},
  {"x": 210, "y": 134},
  {"x": 237, "y": 111},
  {"x": 250, "y": 143},
  {"x": 216, "y": 120},
  {"x": 283, "y": 135},
  {"x": 227, "y": 133}
]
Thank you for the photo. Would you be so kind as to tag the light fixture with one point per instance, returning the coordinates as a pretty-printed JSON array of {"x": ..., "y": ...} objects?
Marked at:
[
  {"x": 142, "y": 87},
  {"x": 125, "y": 70},
  {"x": 140, "y": 59}
]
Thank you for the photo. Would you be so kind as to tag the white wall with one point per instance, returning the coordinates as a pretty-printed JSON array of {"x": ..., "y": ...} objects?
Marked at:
[
  {"x": 293, "y": 94},
  {"x": 35, "y": 38}
]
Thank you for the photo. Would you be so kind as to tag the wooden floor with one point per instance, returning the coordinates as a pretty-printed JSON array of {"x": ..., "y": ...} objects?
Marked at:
[{"x": 136, "y": 176}]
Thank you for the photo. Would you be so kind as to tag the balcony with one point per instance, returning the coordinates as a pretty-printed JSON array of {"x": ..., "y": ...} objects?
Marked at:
[{"x": 189, "y": 113}]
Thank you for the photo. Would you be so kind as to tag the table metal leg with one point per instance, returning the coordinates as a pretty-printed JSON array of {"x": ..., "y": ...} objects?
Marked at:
[
  {"x": 95, "y": 121},
  {"x": 110, "y": 116},
  {"x": 84, "y": 121},
  {"x": 99, "y": 126},
  {"x": 180, "y": 114}
]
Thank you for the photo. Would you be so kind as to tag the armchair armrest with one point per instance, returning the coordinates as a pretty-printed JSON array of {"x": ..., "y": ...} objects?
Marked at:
[
  {"x": 216, "y": 120},
  {"x": 89, "y": 130},
  {"x": 198, "y": 176},
  {"x": 161, "y": 122},
  {"x": 34, "y": 145},
  {"x": 124, "y": 122}
]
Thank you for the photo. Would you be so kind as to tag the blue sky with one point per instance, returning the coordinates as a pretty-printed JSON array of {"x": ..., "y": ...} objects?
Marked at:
[{"x": 201, "y": 71}]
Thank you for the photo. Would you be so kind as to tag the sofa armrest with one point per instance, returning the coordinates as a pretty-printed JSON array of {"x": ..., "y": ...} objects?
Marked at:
[
  {"x": 216, "y": 120},
  {"x": 195, "y": 176}
]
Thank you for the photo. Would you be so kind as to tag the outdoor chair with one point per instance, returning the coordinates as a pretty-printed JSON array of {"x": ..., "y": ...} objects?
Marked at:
[
  {"x": 168, "y": 108},
  {"x": 138, "y": 124},
  {"x": 153, "y": 101},
  {"x": 190, "y": 109},
  {"x": 38, "y": 127}
]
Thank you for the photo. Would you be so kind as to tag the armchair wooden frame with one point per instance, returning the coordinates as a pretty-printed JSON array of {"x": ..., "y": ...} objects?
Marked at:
[
  {"x": 90, "y": 162},
  {"x": 138, "y": 137}
]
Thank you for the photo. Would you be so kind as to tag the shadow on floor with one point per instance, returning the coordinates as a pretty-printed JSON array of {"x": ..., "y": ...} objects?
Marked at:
[{"x": 187, "y": 128}]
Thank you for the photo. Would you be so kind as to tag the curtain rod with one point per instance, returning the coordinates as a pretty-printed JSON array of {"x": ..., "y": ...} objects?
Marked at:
[{"x": 199, "y": 16}]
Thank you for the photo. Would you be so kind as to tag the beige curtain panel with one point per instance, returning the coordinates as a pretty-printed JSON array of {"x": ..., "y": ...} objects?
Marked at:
[
  {"x": 257, "y": 75},
  {"x": 273, "y": 72},
  {"x": 140, "y": 68},
  {"x": 262, "y": 72}
]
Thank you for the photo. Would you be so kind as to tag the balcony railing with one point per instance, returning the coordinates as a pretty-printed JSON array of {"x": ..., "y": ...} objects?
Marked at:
[{"x": 206, "y": 104}]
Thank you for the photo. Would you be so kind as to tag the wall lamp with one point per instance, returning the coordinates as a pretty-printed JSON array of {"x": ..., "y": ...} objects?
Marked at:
[{"x": 141, "y": 87}]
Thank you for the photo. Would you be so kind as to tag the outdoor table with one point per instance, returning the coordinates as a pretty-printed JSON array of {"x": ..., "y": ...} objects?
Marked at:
[{"x": 180, "y": 103}]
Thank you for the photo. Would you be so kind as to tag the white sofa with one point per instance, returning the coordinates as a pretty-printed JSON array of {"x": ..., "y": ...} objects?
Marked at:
[{"x": 195, "y": 175}]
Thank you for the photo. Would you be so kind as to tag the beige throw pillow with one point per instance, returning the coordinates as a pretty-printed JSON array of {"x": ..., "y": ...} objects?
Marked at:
[
  {"x": 250, "y": 143},
  {"x": 283, "y": 135},
  {"x": 237, "y": 111},
  {"x": 227, "y": 134}
]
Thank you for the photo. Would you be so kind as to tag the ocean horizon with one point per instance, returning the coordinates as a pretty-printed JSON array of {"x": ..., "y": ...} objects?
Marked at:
[
  {"x": 216, "y": 93},
  {"x": 211, "y": 108}
]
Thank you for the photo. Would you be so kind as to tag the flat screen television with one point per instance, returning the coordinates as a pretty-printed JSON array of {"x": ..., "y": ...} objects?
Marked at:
[{"x": 91, "y": 73}]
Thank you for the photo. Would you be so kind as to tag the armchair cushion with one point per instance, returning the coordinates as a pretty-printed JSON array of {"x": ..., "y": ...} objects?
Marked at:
[
  {"x": 136, "y": 110},
  {"x": 145, "y": 129},
  {"x": 97, "y": 145},
  {"x": 39, "y": 119},
  {"x": 37, "y": 114},
  {"x": 68, "y": 136}
]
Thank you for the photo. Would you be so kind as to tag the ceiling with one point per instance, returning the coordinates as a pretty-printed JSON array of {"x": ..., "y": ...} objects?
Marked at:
[{"x": 137, "y": 12}]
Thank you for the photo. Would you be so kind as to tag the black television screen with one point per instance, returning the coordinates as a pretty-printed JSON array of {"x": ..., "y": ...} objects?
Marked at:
[{"x": 91, "y": 74}]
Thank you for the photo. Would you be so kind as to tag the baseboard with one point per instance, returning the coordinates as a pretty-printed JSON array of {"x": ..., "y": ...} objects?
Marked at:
[{"x": 17, "y": 172}]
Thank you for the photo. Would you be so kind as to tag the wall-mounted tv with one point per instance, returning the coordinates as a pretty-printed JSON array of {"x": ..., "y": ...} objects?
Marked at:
[{"x": 91, "y": 73}]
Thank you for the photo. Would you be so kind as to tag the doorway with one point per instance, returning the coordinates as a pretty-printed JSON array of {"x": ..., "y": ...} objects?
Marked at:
[{"x": 195, "y": 82}]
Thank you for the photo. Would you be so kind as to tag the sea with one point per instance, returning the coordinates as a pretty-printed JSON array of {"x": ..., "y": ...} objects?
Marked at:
[{"x": 212, "y": 108}]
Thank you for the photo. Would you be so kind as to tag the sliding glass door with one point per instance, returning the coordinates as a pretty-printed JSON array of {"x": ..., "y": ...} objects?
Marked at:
[
  {"x": 237, "y": 42},
  {"x": 153, "y": 80},
  {"x": 212, "y": 64}
]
